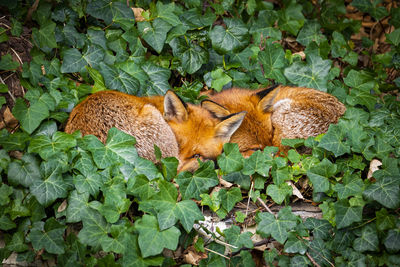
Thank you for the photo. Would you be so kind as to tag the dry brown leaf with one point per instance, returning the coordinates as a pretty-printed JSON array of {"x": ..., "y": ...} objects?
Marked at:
[
  {"x": 373, "y": 166},
  {"x": 296, "y": 191},
  {"x": 137, "y": 11},
  {"x": 63, "y": 206},
  {"x": 193, "y": 257}
]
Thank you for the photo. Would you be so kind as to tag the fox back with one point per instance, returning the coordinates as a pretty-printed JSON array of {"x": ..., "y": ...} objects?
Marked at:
[
  {"x": 275, "y": 113},
  {"x": 180, "y": 130}
]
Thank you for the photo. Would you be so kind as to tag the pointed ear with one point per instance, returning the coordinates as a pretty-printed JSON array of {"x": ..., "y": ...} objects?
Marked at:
[
  {"x": 229, "y": 125},
  {"x": 215, "y": 109},
  {"x": 267, "y": 97},
  {"x": 174, "y": 107}
]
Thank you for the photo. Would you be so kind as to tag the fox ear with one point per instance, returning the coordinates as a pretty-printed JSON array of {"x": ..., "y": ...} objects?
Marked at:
[
  {"x": 174, "y": 107},
  {"x": 229, "y": 125},
  {"x": 215, "y": 109},
  {"x": 267, "y": 98}
]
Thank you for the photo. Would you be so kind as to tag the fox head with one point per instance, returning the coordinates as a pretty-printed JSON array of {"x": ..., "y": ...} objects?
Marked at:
[
  {"x": 200, "y": 135},
  {"x": 274, "y": 113}
]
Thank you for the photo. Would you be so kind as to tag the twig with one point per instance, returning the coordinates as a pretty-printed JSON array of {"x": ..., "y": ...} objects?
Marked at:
[
  {"x": 265, "y": 206},
  {"x": 312, "y": 260},
  {"x": 8, "y": 91},
  {"x": 219, "y": 254},
  {"x": 31, "y": 10},
  {"x": 20, "y": 60}
]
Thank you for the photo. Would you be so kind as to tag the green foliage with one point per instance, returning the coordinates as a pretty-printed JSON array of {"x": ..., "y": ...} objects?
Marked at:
[{"x": 86, "y": 203}]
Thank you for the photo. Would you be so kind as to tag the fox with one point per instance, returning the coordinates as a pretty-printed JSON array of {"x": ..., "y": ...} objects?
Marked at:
[
  {"x": 182, "y": 130},
  {"x": 275, "y": 113}
]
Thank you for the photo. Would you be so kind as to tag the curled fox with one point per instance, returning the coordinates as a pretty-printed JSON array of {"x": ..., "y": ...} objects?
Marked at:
[
  {"x": 180, "y": 130},
  {"x": 275, "y": 113}
]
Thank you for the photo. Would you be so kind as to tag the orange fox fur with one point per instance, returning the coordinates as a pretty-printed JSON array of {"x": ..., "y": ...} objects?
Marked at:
[
  {"x": 275, "y": 113},
  {"x": 180, "y": 130}
]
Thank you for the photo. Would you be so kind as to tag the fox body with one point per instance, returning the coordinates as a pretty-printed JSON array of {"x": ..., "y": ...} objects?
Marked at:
[
  {"x": 180, "y": 130},
  {"x": 275, "y": 113}
]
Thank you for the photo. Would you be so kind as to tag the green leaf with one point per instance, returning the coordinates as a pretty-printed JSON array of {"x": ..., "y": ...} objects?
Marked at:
[
  {"x": 192, "y": 185},
  {"x": 278, "y": 228},
  {"x": 47, "y": 147},
  {"x": 371, "y": 7},
  {"x": 230, "y": 197},
  {"x": 384, "y": 220},
  {"x": 311, "y": 32},
  {"x": 291, "y": 18},
  {"x": 394, "y": 37},
  {"x": 158, "y": 79},
  {"x": 5, "y": 192},
  {"x": 30, "y": 118},
  {"x": 192, "y": 56},
  {"x": 296, "y": 244},
  {"x": 334, "y": 140},
  {"x": 219, "y": 79},
  {"x": 237, "y": 239},
  {"x": 95, "y": 229},
  {"x": 231, "y": 159},
  {"x": 320, "y": 173},
  {"x": 45, "y": 36},
  {"x": 51, "y": 240},
  {"x": 119, "y": 148},
  {"x": 74, "y": 61},
  {"x": 352, "y": 186},
  {"x": 319, "y": 252},
  {"x": 232, "y": 39},
  {"x": 5, "y": 223},
  {"x": 7, "y": 63},
  {"x": 154, "y": 33},
  {"x": 24, "y": 172},
  {"x": 346, "y": 215},
  {"x": 386, "y": 191},
  {"x": 312, "y": 74},
  {"x": 77, "y": 206},
  {"x": 368, "y": 240},
  {"x": 17, "y": 243},
  {"x": 169, "y": 167},
  {"x": 118, "y": 79},
  {"x": 151, "y": 240},
  {"x": 258, "y": 162},
  {"x": 392, "y": 240},
  {"x": 111, "y": 12},
  {"x": 320, "y": 228},
  {"x": 52, "y": 186},
  {"x": 273, "y": 61},
  {"x": 278, "y": 193},
  {"x": 166, "y": 12}
]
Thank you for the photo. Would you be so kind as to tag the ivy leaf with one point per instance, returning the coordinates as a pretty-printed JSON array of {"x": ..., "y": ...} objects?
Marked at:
[
  {"x": 47, "y": 147},
  {"x": 385, "y": 191},
  {"x": 273, "y": 61},
  {"x": 230, "y": 197},
  {"x": 17, "y": 243},
  {"x": 169, "y": 167},
  {"x": 237, "y": 239},
  {"x": 192, "y": 185},
  {"x": 45, "y": 36},
  {"x": 77, "y": 206},
  {"x": 368, "y": 241},
  {"x": 118, "y": 79},
  {"x": 346, "y": 214},
  {"x": 334, "y": 140},
  {"x": 191, "y": 55},
  {"x": 166, "y": 12},
  {"x": 371, "y": 7},
  {"x": 276, "y": 227},
  {"x": 154, "y": 33},
  {"x": 278, "y": 193},
  {"x": 352, "y": 186},
  {"x": 231, "y": 159},
  {"x": 258, "y": 162},
  {"x": 132, "y": 256},
  {"x": 194, "y": 19},
  {"x": 319, "y": 251},
  {"x": 51, "y": 240},
  {"x": 119, "y": 148},
  {"x": 296, "y": 244},
  {"x": 151, "y": 240},
  {"x": 320, "y": 228},
  {"x": 52, "y": 186},
  {"x": 5, "y": 223},
  {"x": 5, "y": 192},
  {"x": 311, "y": 32},
  {"x": 25, "y": 172},
  {"x": 312, "y": 74},
  {"x": 219, "y": 79},
  {"x": 392, "y": 240},
  {"x": 232, "y": 39},
  {"x": 30, "y": 118},
  {"x": 7, "y": 63},
  {"x": 291, "y": 18},
  {"x": 394, "y": 37},
  {"x": 110, "y": 12},
  {"x": 158, "y": 79},
  {"x": 95, "y": 229},
  {"x": 320, "y": 173}
]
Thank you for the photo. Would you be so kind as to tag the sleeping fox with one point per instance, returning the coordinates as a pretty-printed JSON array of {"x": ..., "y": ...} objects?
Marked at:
[
  {"x": 275, "y": 113},
  {"x": 180, "y": 130}
]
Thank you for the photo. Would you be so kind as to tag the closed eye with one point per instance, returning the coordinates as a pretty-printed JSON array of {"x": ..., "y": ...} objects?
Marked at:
[{"x": 196, "y": 156}]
